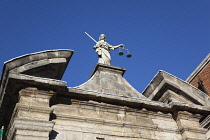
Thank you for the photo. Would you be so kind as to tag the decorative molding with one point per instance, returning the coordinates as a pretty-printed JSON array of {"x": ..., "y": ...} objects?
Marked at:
[
  {"x": 117, "y": 71},
  {"x": 191, "y": 129},
  {"x": 169, "y": 94},
  {"x": 103, "y": 67},
  {"x": 34, "y": 92},
  {"x": 206, "y": 122},
  {"x": 39, "y": 109},
  {"x": 29, "y": 125},
  {"x": 188, "y": 116}
]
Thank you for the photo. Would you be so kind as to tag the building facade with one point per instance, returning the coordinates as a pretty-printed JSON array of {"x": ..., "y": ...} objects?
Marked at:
[
  {"x": 36, "y": 104},
  {"x": 200, "y": 77}
]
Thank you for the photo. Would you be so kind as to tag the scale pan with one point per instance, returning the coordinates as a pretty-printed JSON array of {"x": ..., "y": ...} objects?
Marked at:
[
  {"x": 121, "y": 53},
  {"x": 129, "y": 55}
]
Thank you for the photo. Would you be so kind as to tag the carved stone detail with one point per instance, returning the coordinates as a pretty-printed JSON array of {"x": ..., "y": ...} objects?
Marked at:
[
  {"x": 189, "y": 126},
  {"x": 31, "y": 115}
]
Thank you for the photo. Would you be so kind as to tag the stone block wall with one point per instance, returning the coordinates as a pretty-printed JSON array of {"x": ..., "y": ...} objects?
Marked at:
[
  {"x": 76, "y": 119},
  {"x": 189, "y": 126},
  {"x": 30, "y": 119},
  {"x": 89, "y": 120}
]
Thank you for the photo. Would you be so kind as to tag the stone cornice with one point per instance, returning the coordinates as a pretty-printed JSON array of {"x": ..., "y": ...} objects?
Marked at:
[
  {"x": 39, "y": 109},
  {"x": 195, "y": 130},
  {"x": 34, "y": 92},
  {"x": 45, "y": 82},
  {"x": 134, "y": 102},
  {"x": 26, "y": 124},
  {"x": 206, "y": 122},
  {"x": 188, "y": 116},
  {"x": 102, "y": 67}
]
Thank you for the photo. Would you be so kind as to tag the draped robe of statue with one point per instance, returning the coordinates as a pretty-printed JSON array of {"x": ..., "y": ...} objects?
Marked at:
[{"x": 103, "y": 51}]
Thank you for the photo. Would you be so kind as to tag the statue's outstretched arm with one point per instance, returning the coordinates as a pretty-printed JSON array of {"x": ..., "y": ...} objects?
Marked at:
[{"x": 118, "y": 46}]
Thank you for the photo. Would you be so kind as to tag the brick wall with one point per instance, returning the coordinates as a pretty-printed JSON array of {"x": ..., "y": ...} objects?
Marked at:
[{"x": 204, "y": 78}]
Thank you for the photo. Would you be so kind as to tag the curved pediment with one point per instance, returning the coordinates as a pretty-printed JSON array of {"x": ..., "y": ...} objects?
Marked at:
[{"x": 47, "y": 64}]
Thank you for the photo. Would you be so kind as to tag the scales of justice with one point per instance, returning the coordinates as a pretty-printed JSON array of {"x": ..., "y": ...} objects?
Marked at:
[{"x": 103, "y": 49}]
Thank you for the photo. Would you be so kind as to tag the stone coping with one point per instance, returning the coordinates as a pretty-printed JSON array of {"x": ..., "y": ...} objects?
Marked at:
[
  {"x": 35, "y": 80},
  {"x": 47, "y": 54},
  {"x": 135, "y": 102},
  {"x": 163, "y": 78}
]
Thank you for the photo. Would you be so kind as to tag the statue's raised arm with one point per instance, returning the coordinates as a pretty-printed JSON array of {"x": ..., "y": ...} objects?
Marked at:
[{"x": 103, "y": 50}]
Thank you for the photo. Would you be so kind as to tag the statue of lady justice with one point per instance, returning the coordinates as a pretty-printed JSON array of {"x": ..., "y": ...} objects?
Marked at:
[{"x": 103, "y": 50}]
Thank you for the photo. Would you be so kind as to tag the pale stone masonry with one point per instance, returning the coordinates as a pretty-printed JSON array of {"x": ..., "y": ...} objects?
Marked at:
[{"x": 36, "y": 104}]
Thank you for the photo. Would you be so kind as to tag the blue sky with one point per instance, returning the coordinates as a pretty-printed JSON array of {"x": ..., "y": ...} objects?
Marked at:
[{"x": 169, "y": 35}]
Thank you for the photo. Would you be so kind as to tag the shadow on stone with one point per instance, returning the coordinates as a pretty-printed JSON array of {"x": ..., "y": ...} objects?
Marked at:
[
  {"x": 52, "y": 116},
  {"x": 53, "y": 135}
]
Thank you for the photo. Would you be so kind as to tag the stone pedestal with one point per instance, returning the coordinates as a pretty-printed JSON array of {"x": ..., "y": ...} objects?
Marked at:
[
  {"x": 30, "y": 119},
  {"x": 189, "y": 126},
  {"x": 108, "y": 79}
]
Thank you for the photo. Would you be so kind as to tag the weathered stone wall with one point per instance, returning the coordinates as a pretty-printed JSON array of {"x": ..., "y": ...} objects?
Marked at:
[
  {"x": 189, "y": 126},
  {"x": 30, "y": 119},
  {"x": 76, "y": 119},
  {"x": 85, "y": 120}
]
